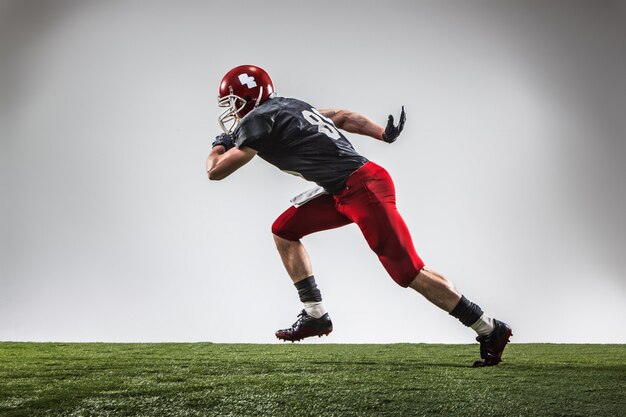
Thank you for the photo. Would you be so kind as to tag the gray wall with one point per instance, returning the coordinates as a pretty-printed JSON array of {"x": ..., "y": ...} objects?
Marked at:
[{"x": 510, "y": 172}]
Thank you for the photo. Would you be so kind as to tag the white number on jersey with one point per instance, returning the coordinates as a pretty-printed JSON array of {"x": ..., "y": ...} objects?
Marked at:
[{"x": 324, "y": 124}]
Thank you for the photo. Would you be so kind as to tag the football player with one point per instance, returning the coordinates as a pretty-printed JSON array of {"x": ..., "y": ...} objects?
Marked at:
[{"x": 302, "y": 140}]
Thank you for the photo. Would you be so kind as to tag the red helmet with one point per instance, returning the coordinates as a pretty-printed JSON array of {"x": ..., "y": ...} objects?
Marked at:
[{"x": 242, "y": 89}]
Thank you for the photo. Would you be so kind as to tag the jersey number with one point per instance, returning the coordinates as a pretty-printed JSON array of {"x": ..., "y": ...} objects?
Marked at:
[{"x": 324, "y": 125}]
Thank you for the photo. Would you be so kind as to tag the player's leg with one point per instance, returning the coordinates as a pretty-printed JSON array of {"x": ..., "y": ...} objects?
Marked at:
[
  {"x": 295, "y": 258},
  {"x": 493, "y": 335},
  {"x": 295, "y": 223},
  {"x": 436, "y": 288},
  {"x": 370, "y": 203}
]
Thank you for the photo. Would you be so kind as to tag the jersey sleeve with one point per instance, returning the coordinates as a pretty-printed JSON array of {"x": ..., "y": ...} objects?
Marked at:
[{"x": 253, "y": 131}]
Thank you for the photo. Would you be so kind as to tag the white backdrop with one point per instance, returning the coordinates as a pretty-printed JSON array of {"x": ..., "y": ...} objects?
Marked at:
[{"x": 510, "y": 172}]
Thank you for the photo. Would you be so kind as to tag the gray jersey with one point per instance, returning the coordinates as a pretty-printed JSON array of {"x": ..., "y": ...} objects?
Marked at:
[{"x": 293, "y": 136}]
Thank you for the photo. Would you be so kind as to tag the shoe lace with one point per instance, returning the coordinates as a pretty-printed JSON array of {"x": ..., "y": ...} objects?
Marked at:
[{"x": 301, "y": 317}]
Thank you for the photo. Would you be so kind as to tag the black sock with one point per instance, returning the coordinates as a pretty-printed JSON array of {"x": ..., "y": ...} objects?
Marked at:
[
  {"x": 467, "y": 312},
  {"x": 307, "y": 290}
]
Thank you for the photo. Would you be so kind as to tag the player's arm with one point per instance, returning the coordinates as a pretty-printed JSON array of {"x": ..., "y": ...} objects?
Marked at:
[
  {"x": 354, "y": 122},
  {"x": 221, "y": 162}
]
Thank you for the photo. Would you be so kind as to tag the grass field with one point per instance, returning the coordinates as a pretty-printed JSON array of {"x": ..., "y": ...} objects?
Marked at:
[{"x": 203, "y": 379}]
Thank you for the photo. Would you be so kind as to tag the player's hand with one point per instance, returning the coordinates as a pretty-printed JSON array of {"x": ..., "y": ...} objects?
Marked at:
[
  {"x": 225, "y": 139},
  {"x": 392, "y": 132}
]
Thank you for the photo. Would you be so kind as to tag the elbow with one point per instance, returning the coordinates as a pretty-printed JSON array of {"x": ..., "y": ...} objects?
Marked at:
[{"x": 215, "y": 175}]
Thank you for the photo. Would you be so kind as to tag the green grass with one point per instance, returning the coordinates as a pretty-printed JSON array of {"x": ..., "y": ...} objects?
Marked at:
[{"x": 203, "y": 379}]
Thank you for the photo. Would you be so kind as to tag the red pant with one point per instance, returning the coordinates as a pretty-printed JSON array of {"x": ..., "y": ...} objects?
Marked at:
[{"x": 369, "y": 200}]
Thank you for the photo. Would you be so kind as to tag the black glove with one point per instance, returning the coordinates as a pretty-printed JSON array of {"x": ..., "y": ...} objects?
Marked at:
[
  {"x": 392, "y": 132},
  {"x": 225, "y": 139}
]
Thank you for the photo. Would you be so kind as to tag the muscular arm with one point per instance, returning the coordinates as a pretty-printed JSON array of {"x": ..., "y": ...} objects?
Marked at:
[
  {"x": 221, "y": 163},
  {"x": 354, "y": 122}
]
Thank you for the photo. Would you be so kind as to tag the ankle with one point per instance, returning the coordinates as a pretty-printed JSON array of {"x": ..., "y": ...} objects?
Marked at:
[
  {"x": 314, "y": 309},
  {"x": 483, "y": 326}
]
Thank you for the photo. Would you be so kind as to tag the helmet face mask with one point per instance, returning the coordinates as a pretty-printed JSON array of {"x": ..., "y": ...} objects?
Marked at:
[
  {"x": 229, "y": 118},
  {"x": 242, "y": 89}
]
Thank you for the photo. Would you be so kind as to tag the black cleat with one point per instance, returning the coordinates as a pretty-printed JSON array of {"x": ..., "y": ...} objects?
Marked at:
[
  {"x": 306, "y": 326},
  {"x": 492, "y": 345}
]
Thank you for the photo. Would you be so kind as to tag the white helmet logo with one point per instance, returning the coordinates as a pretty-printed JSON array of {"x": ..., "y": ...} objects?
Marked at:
[{"x": 245, "y": 79}]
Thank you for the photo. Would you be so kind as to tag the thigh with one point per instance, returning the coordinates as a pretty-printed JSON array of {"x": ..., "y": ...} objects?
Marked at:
[
  {"x": 374, "y": 211},
  {"x": 316, "y": 215},
  {"x": 370, "y": 202}
]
